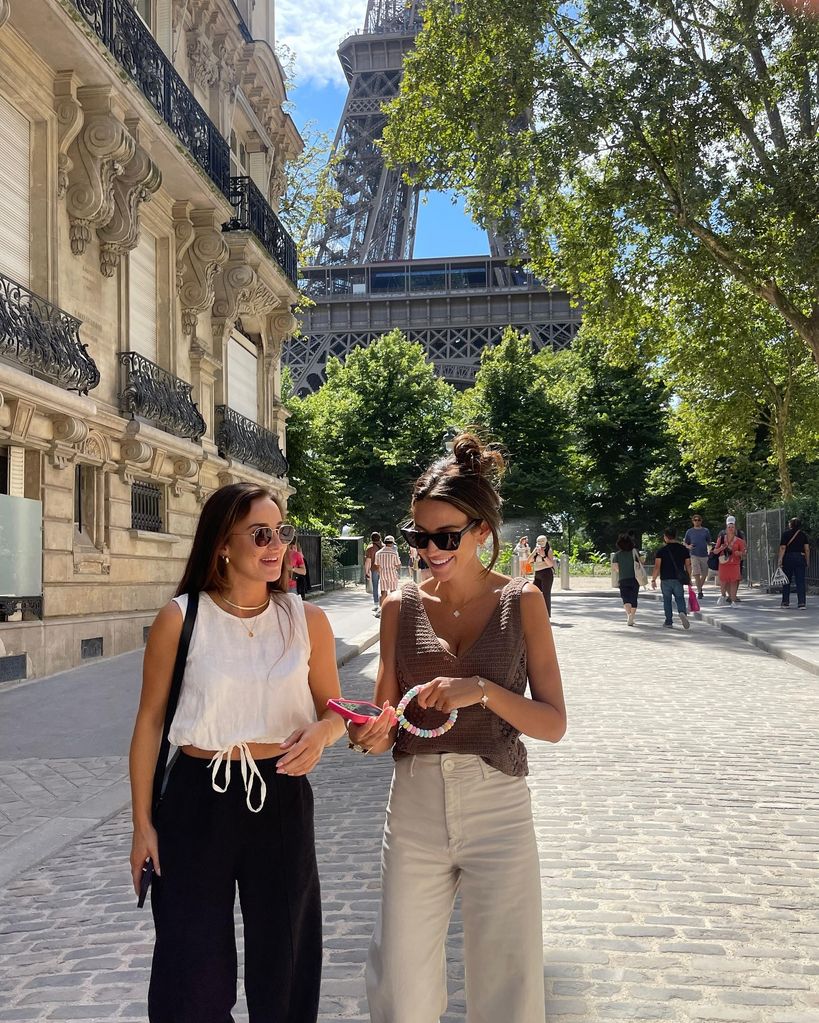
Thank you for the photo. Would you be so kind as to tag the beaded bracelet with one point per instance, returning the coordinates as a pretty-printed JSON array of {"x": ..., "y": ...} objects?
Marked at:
[{"x": 422, "y": 733}]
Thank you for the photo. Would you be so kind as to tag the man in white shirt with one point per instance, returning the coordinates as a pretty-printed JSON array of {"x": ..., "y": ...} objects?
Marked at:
[{"x": 388, "y": 564}]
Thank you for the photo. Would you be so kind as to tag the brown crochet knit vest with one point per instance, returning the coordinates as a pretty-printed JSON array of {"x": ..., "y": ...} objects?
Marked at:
[{"x": 499, "y": 654}]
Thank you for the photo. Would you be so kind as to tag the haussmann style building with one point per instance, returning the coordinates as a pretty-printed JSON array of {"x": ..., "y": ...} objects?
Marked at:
[{"x": 146, "y": 287}]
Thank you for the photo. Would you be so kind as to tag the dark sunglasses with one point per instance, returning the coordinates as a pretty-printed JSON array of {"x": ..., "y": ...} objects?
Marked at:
[
  {"x": 263, "y": 535},
  {"x": 450, "y": 540}
]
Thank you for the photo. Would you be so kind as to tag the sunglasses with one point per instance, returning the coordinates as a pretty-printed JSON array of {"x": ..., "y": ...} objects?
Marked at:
[
  {"x": 263, "y": 535},
  {"x": 449, "y": 540}
]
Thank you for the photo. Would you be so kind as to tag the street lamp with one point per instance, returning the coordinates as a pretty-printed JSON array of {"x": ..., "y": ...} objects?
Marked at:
[{"x": 449, "y": 438}]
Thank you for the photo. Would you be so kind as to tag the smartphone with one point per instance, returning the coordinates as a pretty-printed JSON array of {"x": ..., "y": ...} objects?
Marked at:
[
  {"x": 357, "y": 711},
  {"x": 145, "y": 881}
]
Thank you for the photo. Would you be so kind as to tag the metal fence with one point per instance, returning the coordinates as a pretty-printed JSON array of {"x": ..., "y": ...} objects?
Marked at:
[{"x": 764, "y": 530}]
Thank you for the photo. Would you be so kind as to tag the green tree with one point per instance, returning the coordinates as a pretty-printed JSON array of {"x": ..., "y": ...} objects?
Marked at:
[
  {"x": 625, "y": 136},
  {"x": 626, "y": 462},
  {"x": 380, "y": 419},
  {"x": 510, "y": 405}
]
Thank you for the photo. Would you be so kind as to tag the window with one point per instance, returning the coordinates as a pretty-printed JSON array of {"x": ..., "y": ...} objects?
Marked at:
[
  {"x": 87, "y": 531},
  {"x": 143, "y": 9},
  {"x": 4, "y": 470},
  {"x": 242, "y": 376},
  {"x": 78, "y": 496},
  {"x": 142, "y": 297},
  {"x": 15, "y": 225},
  {"x": 146, "y": 507},
  {"x": 238, "y": 156}
]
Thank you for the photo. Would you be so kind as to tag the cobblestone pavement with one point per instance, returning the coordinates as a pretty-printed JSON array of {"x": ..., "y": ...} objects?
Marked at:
[{"x": 678, "y": 826}]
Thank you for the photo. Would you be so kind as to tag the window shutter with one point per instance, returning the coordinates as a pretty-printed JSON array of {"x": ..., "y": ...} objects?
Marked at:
[
  {"x": 17, "y": 472},
  {"x": 15, "y": 172},
  {"x": 142, "y": 297},
  {"x": 163, "y": 26},
  {"x": 242, "y": 385}
]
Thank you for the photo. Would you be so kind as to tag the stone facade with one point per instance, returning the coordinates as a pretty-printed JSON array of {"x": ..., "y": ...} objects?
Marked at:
[{"x": 112, "y": 424}]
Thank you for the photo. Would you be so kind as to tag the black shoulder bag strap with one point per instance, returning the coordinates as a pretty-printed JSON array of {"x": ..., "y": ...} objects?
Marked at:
[{"x": 173, "y": 697}]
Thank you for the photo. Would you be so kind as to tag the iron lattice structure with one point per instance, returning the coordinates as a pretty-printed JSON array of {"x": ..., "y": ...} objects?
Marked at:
[{"x": 365, "y": 281}]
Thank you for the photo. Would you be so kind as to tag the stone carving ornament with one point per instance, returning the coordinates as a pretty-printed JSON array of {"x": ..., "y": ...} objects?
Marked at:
[
  {"x": 140, "y": 179},
  {"x": 201, "y": 251}
]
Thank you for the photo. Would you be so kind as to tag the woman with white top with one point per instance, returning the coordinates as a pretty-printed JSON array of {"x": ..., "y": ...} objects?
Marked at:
[{"x": 260, "y": 668}]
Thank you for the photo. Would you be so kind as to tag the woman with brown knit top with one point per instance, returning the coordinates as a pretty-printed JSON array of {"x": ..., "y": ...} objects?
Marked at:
[{"x": 459, "y": 817}]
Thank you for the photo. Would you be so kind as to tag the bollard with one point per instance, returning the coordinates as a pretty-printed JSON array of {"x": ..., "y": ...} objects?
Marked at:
[
  {"x": 564, "y": 572},
  {"x": 614, "y": 574}
]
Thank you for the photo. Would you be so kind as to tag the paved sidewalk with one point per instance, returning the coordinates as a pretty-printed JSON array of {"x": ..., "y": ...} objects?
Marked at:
[
  {"x": 64, "y": 742},
  {"x": 677, "y": 826}
]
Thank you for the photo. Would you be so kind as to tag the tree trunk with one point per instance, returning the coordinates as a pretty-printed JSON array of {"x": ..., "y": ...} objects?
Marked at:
[{"x": 778, "y": 439}]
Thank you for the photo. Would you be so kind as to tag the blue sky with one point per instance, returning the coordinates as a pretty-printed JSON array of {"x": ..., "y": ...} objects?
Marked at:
[{"x": 312, "y": 29}]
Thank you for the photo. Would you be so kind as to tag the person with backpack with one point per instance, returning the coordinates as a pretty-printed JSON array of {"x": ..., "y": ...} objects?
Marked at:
[
  {"x": 672, "y": 565},
  {"x": 794, "y": 554}
]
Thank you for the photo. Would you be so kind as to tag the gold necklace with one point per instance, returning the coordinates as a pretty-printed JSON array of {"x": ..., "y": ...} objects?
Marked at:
[
  {"x": 456, "y": 612},
  {"x": 250, "y": 631},
  {"x": 241, "y": 607}
]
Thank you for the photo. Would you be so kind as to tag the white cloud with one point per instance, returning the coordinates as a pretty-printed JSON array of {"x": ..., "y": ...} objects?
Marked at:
[{"x": 313, "y": 29}]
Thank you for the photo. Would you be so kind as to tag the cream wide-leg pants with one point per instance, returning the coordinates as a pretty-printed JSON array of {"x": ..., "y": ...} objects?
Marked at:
[{"x": 453, "y": 825}]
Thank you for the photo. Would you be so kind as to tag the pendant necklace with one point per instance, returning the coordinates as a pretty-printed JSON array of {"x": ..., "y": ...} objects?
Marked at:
[
  {"x": 456, "y": 612},
  {"x": 250, "y": 631}
]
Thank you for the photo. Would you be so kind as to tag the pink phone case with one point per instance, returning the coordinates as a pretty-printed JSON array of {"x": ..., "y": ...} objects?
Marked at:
[{"x": 341, "y": 707}]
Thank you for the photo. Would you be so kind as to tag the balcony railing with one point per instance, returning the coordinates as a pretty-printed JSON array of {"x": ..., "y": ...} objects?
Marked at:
[
  {"x": 158, "y": 396},
  {"x": 43, "y": 338},
  {"x": 246, "y": 441},
  {"x": 253, "y": 213},
  {"x": 118, "y": 25}
]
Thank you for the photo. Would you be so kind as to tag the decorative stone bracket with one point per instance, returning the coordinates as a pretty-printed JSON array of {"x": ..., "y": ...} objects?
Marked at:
[
  {"x": 108, "y": 172},
  {"x": 68, "y": 435},
  {"x": 201, "y": 252},
  {"x": 239, "y": 291},
  {"x": 137, "y": 183}
]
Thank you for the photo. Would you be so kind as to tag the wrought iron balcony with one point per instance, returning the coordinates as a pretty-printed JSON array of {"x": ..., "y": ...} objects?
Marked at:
[
  {"x": 246, "y": 441},
  {"x": 253, "y": 213},
  {"x": 27, "y": 605},
  {"x": 158, "y": 396},
  {"x": 43, "y": 338},
  {"x": 121, "y": 29}
]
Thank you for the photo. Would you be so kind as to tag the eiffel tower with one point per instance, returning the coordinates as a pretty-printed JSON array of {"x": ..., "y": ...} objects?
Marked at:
[{"x": 364, "y": 279}]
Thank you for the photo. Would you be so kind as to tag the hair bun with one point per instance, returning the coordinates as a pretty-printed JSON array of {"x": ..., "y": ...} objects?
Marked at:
[{"x": 472, "y": 456}]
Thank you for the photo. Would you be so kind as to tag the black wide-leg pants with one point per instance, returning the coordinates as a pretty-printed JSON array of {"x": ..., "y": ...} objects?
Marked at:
[{"x": 210, "y": 843}]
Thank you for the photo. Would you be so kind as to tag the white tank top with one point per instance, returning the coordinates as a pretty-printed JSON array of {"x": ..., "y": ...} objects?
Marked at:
[{"x": 239, "y": 689}]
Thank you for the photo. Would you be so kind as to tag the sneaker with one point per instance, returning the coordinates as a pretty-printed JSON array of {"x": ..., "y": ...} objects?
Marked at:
[
  {"x": 700, "y": 595},
  {"x": 668, "y": 625},
  {"x": 784, "y": 607},
  {"x": 377, "y": 612},
  {"x": 737, "y": 600},
  {"x": 801, "y": 607},
  {"x": 631, "y": 618},
  {"x": 721, "y": 601},
  {"x": 685, "y": 622}
]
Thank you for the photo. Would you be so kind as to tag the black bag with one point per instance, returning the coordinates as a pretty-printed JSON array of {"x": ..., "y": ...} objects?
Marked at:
[
  {"x": 713, "y": 562},
  {"x": 682, "y": 574},
  {"x": 173, "y": 699}
]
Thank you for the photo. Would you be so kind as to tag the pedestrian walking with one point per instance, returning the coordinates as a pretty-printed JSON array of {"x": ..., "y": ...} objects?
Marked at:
[
  {"x": 459, "y": 818},
  {"x": 298, "y": 569},
  {"x": 626, "y": 559},
  {"x": 259, "y": 669},
  {"x": 698, "y": 539},
  {"x": 672, "y": 566},
  {"x": 730, "y": 549},
  {"x": 543, "y": 569},
  {"x": 388, "y": 563},
  {"x": 523, "y": 553},
  {"x": 371, "y": 571},
  {"x": 794, "y": 555}
]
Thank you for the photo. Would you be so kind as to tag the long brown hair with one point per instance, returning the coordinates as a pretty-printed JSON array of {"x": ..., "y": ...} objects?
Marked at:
[
  {"x": 467, "y": 479},
  {"x": 225, "y": 507}
]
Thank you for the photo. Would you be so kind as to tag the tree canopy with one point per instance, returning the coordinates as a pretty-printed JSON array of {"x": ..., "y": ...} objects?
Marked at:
[{"x": 628, "y": 137}]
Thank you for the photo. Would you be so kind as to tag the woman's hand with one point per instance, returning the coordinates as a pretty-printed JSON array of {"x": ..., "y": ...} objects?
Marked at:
[
  {"x": 304, "y": 748},
  {"x": 144, "y": 845},
  {"x": 446, "y": 694},
  {"x": 376, "y": 730}
]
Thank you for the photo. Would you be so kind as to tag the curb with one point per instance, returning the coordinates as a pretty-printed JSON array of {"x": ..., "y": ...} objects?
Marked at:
[
  {"x": 55, "y": 834},
  {"x": 730, "y": 629}
]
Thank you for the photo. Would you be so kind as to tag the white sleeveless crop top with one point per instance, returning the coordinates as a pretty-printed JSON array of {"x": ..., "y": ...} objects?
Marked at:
[{"x": 239, "y": 689}]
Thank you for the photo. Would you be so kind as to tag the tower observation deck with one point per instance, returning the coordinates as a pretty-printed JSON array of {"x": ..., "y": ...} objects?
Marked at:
[{"x": 365, "y": 281}]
